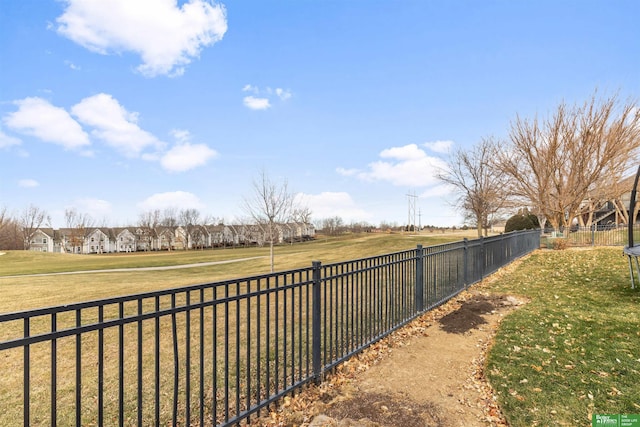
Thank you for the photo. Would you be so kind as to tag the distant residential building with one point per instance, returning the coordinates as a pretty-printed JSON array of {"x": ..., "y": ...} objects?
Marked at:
[
  {"x": 132, "y": 239},
  {"x": 97, "y": 241},
  {"x": 125, "y": 240},
  {"x": 42, "y": 240}
]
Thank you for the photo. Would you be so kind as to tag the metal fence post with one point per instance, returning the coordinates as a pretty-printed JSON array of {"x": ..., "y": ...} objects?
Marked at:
[
  {"x": 483, "y": 258},
  {"x": 505, "y": 252},
  {"x": 419, "y": 279},
  {"x": 465, "y": 261},
  {"x": 316, "y": 322}
]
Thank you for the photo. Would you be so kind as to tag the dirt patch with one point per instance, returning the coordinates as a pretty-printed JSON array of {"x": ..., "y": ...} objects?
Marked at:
[
  {"x": 433, "y": 380},
  {"x": 465, "y": 318},
  {"x": 469, "y": 315},
  {"x": 381, "y": 409},
  {"x": 430, "y": 373}
]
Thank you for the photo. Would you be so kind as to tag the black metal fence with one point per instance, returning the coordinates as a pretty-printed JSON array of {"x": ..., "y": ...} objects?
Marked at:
[
  {"x": 595, "y": 235},
  {"x": 218, "y": 353}
]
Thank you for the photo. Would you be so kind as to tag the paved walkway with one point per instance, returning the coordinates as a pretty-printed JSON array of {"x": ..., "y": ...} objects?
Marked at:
[{"x": 126, "y": 270}]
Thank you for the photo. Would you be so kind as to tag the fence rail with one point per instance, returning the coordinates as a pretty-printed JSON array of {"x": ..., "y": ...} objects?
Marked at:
[
  {"x": 595, "y": 235},
  {"x": 218, "y": 353}
]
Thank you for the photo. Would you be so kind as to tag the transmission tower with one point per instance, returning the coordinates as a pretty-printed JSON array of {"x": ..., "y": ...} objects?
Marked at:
[{"x": 411, "y": 223}]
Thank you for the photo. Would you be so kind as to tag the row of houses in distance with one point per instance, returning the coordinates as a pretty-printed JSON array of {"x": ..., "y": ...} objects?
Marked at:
[{"x": 162, "y": 238}]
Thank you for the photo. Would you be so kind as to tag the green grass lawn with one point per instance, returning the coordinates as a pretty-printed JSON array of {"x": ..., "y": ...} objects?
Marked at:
[{"x": 574, "y": 349}]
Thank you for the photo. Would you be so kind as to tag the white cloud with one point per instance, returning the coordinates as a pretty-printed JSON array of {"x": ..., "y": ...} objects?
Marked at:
[
  {"x": 187, "y": 156},
  {"x": 442, "y": 147},
  {"x": 440, "y": 190},
  {"x": 96, "y": 208},
  {"x": 7, "y": 141},
  {"x": 263, "y": 97},
  {"x": 330, "y": 204},
  {"x": 72, "y": 65},
  {"x": 283, "y": 94},
  {"x": 166, "y": 37},
  {"x": 347, "y": 172},
  {"x": 181, "y": 135},
  {"x": 37, "y": 117},
  {"x": 114, "y": 125},
  {"x": 28, "y": 183},
  {"x": 407, "y": 152},
  {"x": 109, "y": 122},
  {"x": 407, "y": 166},
  {"x": 256, "y": 103},
  {"x": 171, "y": 199}
]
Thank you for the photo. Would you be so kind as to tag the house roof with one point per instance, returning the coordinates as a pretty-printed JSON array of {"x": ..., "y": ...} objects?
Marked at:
[{"x": 48, "y": 231}]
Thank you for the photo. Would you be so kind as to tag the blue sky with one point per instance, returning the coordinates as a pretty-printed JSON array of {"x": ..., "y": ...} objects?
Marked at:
[{"x": 120, "y": 107}]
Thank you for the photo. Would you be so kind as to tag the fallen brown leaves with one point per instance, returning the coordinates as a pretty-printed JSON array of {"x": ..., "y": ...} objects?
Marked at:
[{"x": 312, "y": 402}]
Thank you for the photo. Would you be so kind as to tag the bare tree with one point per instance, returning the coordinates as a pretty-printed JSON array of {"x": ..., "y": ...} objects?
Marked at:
[
  {"x": 190, "y": 221},
  {"x": 301, "y": 215},
  {"x": 359, "y": 227},
  {"x": 169, "y": 217},
  {"x": 333, "y": 226},
  {"x": 170, "y": 222},
  {"x": 385, "y": 226},
  {"x": 11, "y": 236},
  {"x": 479, "y": 185},
  {"x": 201, "y": 234},
  {"x": 148, "y": 223},
  {"x": 4, "y": 218},
  {"x": 270, "y": 205},
  {"x": 31, "y": 219},
  {"x": 9, "y": 232},
  {"x": 557, "y": 164},
  {"x": 80, "y": 226}
]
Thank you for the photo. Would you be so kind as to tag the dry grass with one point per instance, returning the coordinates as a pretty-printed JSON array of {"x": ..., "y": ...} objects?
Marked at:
[
  {"x": 206, "y": 326},
  {"x": 22, "y": 293}
]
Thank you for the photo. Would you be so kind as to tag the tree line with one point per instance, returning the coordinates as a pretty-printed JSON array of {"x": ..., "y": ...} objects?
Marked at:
[
  {"x": 270, "y": 205},
  {"x": 559, "y": 167},
  {"x": 16, "y": 230}
]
